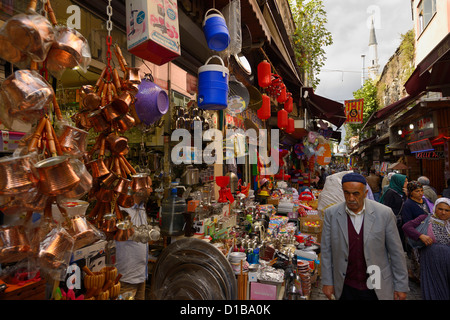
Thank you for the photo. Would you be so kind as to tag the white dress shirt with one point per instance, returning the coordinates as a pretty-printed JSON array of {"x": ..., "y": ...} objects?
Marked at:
[{"x": 356, "y": 218}]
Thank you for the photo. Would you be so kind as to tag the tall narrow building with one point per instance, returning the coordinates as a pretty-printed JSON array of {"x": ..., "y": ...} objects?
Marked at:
[{"x": 373, "y": 68}]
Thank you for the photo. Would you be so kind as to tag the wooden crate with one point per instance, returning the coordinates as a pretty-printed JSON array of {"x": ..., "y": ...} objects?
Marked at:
[{"x": 31, "y": 291}]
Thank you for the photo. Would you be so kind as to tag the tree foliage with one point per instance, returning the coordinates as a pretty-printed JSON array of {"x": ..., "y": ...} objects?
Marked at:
[{"x": 310, "y": 36}]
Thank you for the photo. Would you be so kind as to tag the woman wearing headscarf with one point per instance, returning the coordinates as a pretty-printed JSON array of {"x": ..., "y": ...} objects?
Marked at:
[
  {"x": 395, "y": 195},
  {"x": 416, "y": 204},
  {"x": 434, "y": 257}
]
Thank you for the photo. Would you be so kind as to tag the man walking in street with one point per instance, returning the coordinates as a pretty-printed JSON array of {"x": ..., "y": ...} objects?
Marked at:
[
  {"x": 374, "y": 182},
  {"x": 360, "y": 236}
]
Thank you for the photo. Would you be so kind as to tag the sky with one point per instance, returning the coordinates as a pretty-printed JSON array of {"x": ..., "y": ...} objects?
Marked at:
[{"x": 349, "y": 23}]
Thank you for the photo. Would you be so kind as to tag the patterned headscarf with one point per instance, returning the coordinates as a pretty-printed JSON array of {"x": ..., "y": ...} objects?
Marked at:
[{"x": 413, "y": 185}]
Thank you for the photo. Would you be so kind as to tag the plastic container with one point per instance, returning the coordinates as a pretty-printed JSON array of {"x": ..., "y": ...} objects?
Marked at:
[
  {"x": 213, "y": 85},
  {"x": 216, "y": 30},
  {"x": 172, "y": 218}
]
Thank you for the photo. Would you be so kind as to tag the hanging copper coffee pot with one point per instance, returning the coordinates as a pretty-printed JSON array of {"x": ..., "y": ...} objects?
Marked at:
[
  {"x": 98, "y": 168},
  {"x": 30, "y": 33},
  {"x": 124, "y": 230},
  {"x": 73, "y": 140},
  {"x": 56, "y": 175},
  {"x": 16, "y": 174},
  {"x": 14, "y": 244}
]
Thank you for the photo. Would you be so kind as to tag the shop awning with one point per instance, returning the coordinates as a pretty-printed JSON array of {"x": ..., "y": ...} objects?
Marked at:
[
  {"x": 389, "y": 110},
  {"x": 324, "y": 108}
]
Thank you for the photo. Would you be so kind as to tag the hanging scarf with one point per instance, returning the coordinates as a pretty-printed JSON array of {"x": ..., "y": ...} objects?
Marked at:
[{"x": 396, "y": 183}]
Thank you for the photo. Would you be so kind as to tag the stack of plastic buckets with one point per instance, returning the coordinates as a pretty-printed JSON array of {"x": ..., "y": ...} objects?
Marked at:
[
  {"x": 213, "y": 85},
  {"x": 213, "y": 78}
]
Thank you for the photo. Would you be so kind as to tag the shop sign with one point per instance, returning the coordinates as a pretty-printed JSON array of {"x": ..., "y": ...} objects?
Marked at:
[
  {"x": 430, "y": 155},
  {"x": 420, "y": 146},
  {"x": 152, "y": 30}
]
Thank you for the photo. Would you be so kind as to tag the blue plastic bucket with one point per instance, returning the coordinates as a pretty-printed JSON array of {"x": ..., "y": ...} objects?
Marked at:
[
  {"x": 216, "y": 30},
  {"x": 213, "y": 86}
]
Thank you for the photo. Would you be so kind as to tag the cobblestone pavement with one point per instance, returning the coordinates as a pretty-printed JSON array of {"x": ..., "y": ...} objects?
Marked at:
[{"x": 413, "y": 294}]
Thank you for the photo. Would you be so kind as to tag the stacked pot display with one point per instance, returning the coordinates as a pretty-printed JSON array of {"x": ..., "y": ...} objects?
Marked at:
[
  {"x": 52, "y": 170},
  {"x": 47, "y": 169}
]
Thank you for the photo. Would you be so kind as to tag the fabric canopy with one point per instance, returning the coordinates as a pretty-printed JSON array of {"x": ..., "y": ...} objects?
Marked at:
[{"x": 324, "y": 108}]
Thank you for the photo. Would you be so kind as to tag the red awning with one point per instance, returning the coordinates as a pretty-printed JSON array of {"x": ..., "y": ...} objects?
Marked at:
[
  {"x": 324, "y": 108},
  {"x": 390, "y": 110}
]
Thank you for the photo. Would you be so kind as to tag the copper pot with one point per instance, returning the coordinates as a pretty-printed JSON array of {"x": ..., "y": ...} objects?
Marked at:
[
  {"x": 124, "y": 230},
  {"x": 109, "y": 181},
  {"x": 122, "y": 102},
  {"x": 26, "y": 91},
  {"x": 110, "y": 112},
  {"x": 85, "y": 181},
  {"x": 82, "y": 232},
  {"x": 32, "y": 34},
  {"x": 117, "y": 144},
  {"x": 10, "y": 53},
  {"x": 98, "y": 168},
  {"x": 139, "y": 182},
  {"x": 56, "y": 175},
  {"x": 123, "y": 185},
  {"x": 126, "y": 200},
  {"x": 97, "y": 121},
  {"x": 109, "y": 223},
  {"x": 14, "y": 244},
  {"x": 68, "y": 48},
  {"x": 15, "y": 175},
  {"x": 133, "y": 76},
  {"x": 73, "y": 140},
  {"x": 125, "y": 123},
  {"x": 56, "y": 246},
  {"x": 91, "y": 100}
]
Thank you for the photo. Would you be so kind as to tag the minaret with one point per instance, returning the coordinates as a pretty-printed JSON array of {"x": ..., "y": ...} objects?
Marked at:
[{"x": 373, "y": 47}]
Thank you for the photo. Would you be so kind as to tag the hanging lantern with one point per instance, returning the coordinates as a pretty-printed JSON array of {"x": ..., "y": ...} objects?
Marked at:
[
  {"x": 263, "y": 113},
  {"x": 282, "y": 96},
  {"x": 282, "y": 119},
  {"x": 264, "y": 74},
  {"x": 289, "y": 104},
  {"x": 291, "y": 126}
]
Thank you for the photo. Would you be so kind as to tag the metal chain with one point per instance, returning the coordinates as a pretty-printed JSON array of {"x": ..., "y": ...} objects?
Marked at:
[{"x": 109, "y": 26}]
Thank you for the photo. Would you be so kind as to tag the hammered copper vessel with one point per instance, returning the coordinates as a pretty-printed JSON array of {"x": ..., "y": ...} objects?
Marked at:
[
  {"x": 32, "y": 33},
  {"x": 56, "y": 175},
  {"x": 117, "y": 144},
  {"x": 125, "y": 123},
  {"x": 123, "y": 185},
  {"x": 85, "y": 184},
  {"x": 53, "y": 253},
  {"x": 26, "y": 90},
  {"x": 124, "y": 230},
  {"x": 98, "y": 168},
  {"x": 122, "y": 103},
  {"x": 133, "y": 76},
  {"x": 14, "y": 244},
  {"x": 15, "y": 175},
  {"x": 97, "y": 121},
  {"x": 126, "y": 200},
  {"x": 139, "y": 181},
  {"x": 73, "y": 140},
  {"x": 67, "y": 49},
  {"x": 109, "y": 223},
  {"x": 82, "y": 233}
]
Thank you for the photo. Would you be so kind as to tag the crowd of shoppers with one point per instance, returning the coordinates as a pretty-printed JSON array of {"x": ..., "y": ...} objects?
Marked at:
[{"x": 365, "y": 230}]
